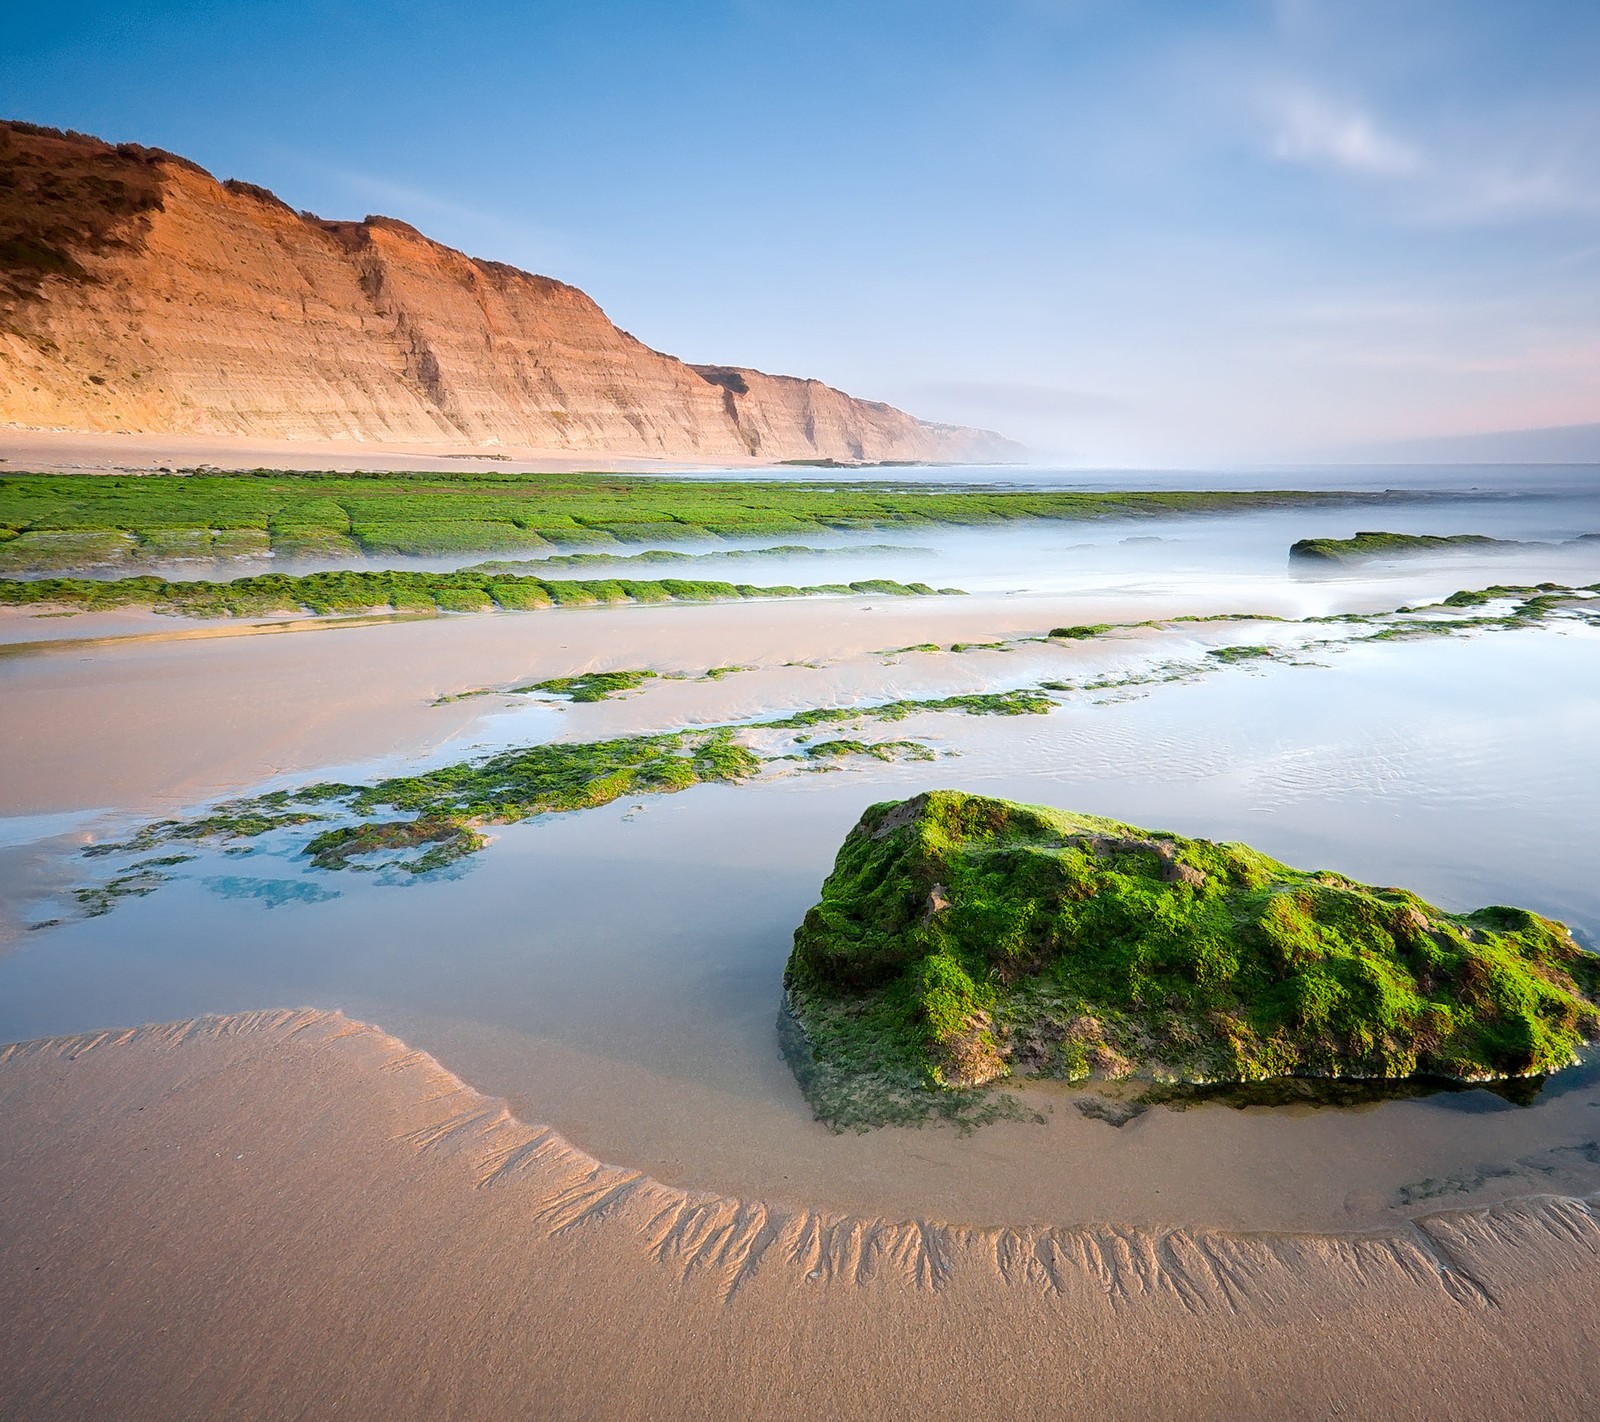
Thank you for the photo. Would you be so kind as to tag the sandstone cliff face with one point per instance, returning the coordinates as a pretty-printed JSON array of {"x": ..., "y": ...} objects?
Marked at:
[{"x": 138, "y": 293}]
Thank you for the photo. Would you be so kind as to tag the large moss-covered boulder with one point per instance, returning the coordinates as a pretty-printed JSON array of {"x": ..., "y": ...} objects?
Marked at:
[{"x": 961, "y": 938}]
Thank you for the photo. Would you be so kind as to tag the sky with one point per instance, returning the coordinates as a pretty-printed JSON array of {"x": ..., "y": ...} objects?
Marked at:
[{"x": 1122, "y": 231}]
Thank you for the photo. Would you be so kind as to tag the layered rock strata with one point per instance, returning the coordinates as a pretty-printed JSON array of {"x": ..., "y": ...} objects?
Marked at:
[{"x": 139, "y": 294}]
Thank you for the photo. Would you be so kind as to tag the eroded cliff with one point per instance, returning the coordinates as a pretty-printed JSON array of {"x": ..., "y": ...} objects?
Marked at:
[{"x": 138, "y": 293}]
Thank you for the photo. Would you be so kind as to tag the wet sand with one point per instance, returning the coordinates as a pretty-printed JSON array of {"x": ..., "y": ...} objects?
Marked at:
[
  {"x": 150, "y": 713},
  {"x": 163, "y": 724},
  {"x": 156, "y": 724},
  {"x": 616, "y": 973},
  {"x": 285, "y": 1214},
  {"x": 289, "y": 1214}
]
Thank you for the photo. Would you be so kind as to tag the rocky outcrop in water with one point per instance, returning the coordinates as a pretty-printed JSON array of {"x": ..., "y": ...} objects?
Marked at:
[{"x": 961, "y": 938}]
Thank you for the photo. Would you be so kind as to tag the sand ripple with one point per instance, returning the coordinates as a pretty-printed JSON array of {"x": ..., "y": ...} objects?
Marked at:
[{"x": 1438, "y": 1259}]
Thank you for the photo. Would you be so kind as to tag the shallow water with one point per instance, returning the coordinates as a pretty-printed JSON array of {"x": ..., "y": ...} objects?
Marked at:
[
  {"x": 1151, "y": 560},
  {"x": 616, "y": 973}
]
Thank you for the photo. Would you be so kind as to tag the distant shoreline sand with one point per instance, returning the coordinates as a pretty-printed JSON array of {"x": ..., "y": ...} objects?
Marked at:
[
  {"x": 85, "y": 452},
  {"x": 290, "y": 1213}
]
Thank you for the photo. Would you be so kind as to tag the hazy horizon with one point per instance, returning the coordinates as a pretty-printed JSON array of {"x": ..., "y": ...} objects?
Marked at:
[{"x": 1277, "y": 231}]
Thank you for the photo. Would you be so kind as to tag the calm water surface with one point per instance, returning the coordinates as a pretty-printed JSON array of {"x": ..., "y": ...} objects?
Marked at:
[{"x": 617, "y": 973}]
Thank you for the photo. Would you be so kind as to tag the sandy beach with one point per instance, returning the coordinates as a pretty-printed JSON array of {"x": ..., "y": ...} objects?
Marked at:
[
  {"x": 567, "y": 1172},
  {"x": 82, "y": 452},
  {"x": 289, "y": 1214}
]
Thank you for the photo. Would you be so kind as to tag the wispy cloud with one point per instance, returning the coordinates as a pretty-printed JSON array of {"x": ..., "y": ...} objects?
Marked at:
[
  {"x": 1505, "y": 188},
  {"x": 1464, "y": 172},
  {"x": 372, "y": 188},
  {"x": 479, "y": 230},
  {"x": 1309, "y": 128},
  {"x": 1577, "y": 357},
  {"x": 1019, "y": 397}
]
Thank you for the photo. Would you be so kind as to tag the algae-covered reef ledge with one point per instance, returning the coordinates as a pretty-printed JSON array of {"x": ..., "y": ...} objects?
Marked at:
[
  {"x": 962, "y": 939},
  {"x": 1363, "y": 547},
  {"x": 322, "y": 594},
  {"x": 445, "y": 809},
  {"x": 1370, "y": 545},
  {"x": 62, "y": 524}
]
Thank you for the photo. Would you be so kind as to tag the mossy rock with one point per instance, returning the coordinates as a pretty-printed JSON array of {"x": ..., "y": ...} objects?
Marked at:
[
  {"x": 961, "y": 939},
  {"x": 1369, "y": 545}
]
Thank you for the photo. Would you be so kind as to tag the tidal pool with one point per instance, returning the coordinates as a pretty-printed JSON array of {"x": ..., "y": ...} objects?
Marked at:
[{"x": 616, "y": 973}]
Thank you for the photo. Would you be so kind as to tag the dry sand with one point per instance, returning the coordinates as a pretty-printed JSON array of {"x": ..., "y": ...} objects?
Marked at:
[
  {"x": 82, "y": 452},
  {"x": 289, "y": 1214}
]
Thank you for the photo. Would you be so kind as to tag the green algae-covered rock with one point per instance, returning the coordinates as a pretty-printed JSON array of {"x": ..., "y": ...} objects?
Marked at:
[
  {"x": 1366, "y": 546},
  {"x": 960, "y": 939}
]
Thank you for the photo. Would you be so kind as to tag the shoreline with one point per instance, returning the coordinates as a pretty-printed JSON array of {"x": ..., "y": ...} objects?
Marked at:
[
  {"x": 504, "y": 1150},
  {"x": 270, "y": 1164},
  {"x": 291, "y": 1214},
  {"x": 90, "y": 452}
]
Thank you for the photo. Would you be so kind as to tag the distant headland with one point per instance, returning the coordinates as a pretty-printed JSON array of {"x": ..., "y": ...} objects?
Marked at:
[{"x": 138, "y": 294}]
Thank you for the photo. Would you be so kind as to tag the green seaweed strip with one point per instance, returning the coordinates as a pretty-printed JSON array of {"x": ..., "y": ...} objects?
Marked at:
[{"x": 323, "y": 594}]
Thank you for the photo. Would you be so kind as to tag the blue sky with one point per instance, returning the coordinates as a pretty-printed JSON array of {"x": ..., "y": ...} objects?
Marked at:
[{"x": 1122, "y": 231}]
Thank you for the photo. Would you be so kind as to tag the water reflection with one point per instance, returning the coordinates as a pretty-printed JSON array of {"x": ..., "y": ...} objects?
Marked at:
[
  {"x": 1466, "y": 1096},
  {"x": 616, "y": 973}
]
